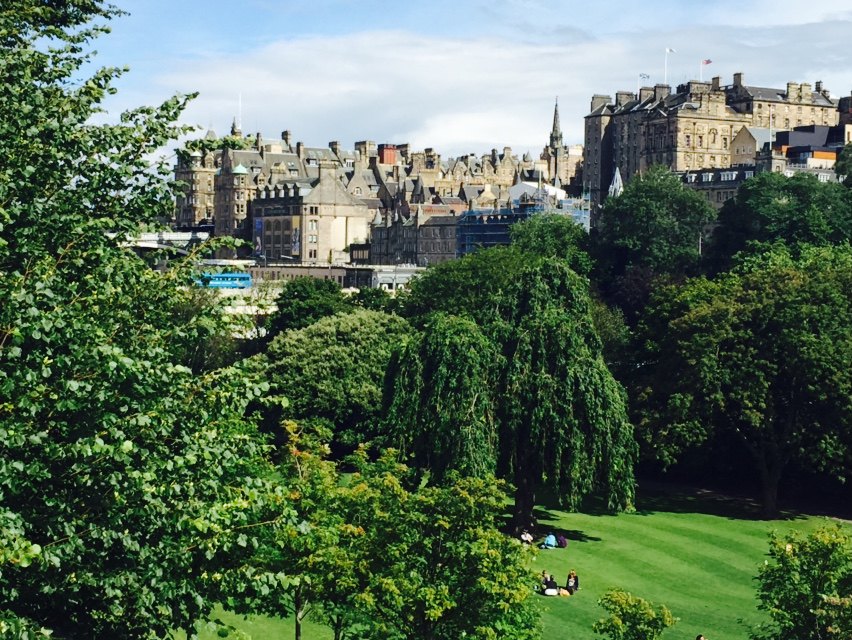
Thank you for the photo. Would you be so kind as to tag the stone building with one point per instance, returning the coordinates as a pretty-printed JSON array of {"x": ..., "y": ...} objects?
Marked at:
[
  {"x": 689, "y": 130},
  {"x": 308, "y": 220}
]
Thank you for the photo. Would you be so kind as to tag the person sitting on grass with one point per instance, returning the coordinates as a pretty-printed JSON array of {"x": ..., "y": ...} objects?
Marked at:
[
  {"x": 551, "y": 588},
  {"x": 573, "y": 583},
  {"x": 549, "y": 542},
  {"x": 526, "y": 537}
]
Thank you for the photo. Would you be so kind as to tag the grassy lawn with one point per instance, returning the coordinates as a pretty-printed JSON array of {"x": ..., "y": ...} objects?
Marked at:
[{"x": 696, "y": 553}]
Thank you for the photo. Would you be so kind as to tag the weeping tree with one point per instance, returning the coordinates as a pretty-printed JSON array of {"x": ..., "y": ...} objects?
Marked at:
[
  {"x": 563, "y": 417},
  {"x": 542, "y": 395},
  {"x": 441, "y": 398}
]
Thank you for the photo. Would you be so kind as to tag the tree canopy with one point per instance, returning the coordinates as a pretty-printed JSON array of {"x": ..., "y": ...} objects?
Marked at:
[
  {"x": 303, "y": 301},
  {"x": 126, "y": 480},
  {"x": 552, "y": 235},
  {"x": 655, "y": 227},
  {"x": 442, "y": 397},
  {"x": 334, "y": 369},
  {"x": 806, "y": 586},
  {"x": 471, "y": 286},
  {"x": 760, "y": 353},
  {"x": 771, "y": 207},
  {"x": 560, "y": 416}
]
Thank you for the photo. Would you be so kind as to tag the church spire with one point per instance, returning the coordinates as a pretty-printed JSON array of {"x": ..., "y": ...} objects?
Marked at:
[{"x": 556, "y": 132}]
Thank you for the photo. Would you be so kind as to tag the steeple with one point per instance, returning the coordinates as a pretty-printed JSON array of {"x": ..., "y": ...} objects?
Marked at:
[{"x": 556, "y": 132}]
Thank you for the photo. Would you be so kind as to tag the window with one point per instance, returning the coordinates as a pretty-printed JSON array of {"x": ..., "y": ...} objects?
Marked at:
[
  {"x": 312, "y": 225},
  {"x": 700, "y": 141}
]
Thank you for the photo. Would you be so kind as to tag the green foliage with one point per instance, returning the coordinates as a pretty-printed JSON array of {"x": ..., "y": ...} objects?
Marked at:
[
  {"x": 771, "y": 208},
  {"x": 124, "y": 477},
  {"x": 563, "y": 416},
  {"x": 653, "y": 228},
  {"x": 559, "y": 415},
  {"x": 761, "y": 354},
  {"x": 442, "y": 403},
  {"x": 334, "y": 369},
  {"x": 434, "y": 564},
  {"x": 631, "y": 617},
  {"x": 471, "y": 286},
  {"x": 372, "y": 299},
  {"x": 551, "y": 235},
  {"x": 843, "y": 166},
  {"x": 303, "y": 301},
  {"x": 806, "y": 586},
  {"x": 655, "y": 223}
]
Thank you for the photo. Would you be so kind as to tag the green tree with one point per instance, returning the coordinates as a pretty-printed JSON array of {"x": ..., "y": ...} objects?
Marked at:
[
  {"x": 771, "y": 208},
  {"x": 333, "y": 370},
  {"x": 442, "y": 399},
  {"x": 560, "y": 416},
  {"x": 554, "y": 236},
  {"x": 434, "y": 563},
  {"x": 843, "y": 166},
  {"x": 760, "y": 355},
  {"x": 126, "y": 481},
  {"x": 372, "y": 299},
  {"x": 293, "y": 569},
  {"x": 303, "y": 301},
  {"x": 631, "y": 617},
  {"x": 655, "y": 227},
  {"x": 563, "y": 417},
  {"x": 471, "y": 286},
  {"x": 806, "y": 586}
]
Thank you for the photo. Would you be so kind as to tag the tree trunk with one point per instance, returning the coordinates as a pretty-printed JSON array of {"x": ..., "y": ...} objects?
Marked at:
[
  {"x": 770, "y": 477},
  {"x": 524, "y": 501},
  {"x": 297, "y": 607}
]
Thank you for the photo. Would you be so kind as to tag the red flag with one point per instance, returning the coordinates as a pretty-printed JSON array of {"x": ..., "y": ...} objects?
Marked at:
[{"x": 707, "y": 61}]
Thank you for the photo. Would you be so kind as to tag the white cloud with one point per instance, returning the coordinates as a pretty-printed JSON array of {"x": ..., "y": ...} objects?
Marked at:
[{"x": 461, "y": 95}]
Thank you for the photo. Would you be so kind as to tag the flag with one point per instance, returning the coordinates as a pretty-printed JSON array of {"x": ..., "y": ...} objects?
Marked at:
[
  {"x": 670, "y": 50},
  {"x": 707, "y": 61},
  {"x": 644, "y": 76}
]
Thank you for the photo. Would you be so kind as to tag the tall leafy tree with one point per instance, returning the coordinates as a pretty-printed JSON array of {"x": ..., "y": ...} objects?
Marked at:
[
  {"x": 759, "y": 355},
  {"x": 552, "y": 235},
  {"x": 434, "y": 563},
  {"x": 563, "y": 417},
  {"x": 560, "y": 416},
  {"x": 472, "y": 286},
  {"x": 771, "y": 207},
  {"x": 303, "y": 301},
  {"x": 656, "y": 227},
  {"x": 443, "y": 400},
  {"x": 333, "y": 370},
  {"x": 126, "y": 480}
]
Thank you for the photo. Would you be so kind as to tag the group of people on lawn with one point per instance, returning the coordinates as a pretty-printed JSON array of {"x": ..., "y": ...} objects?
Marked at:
[{"x": 550, "y": 587}]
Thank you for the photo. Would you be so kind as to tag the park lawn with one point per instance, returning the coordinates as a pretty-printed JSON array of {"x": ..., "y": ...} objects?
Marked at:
[{"x": 695, "y": 552}]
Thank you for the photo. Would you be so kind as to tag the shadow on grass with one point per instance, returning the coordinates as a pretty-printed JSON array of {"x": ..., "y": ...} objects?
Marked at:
[
  {"x": 655, "y": 497},
  {"x": 660, "y": 497}
]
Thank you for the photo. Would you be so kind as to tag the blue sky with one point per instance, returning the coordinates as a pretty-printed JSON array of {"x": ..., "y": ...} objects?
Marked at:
[{"x": 461, "y": 76}]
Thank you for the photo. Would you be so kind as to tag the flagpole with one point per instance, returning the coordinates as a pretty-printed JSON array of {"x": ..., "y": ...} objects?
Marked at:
[
  {"x": 701, "y": 71},
  {"x": 666, "y": 68}
]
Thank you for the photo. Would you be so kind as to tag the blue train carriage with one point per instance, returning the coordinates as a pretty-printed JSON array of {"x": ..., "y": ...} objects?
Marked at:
[{"x": 225, "y": 280}]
